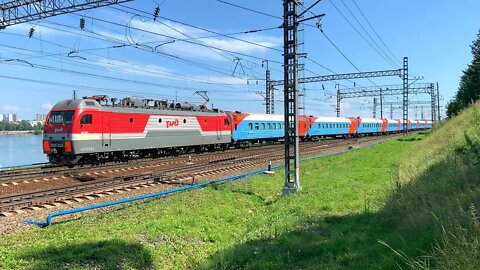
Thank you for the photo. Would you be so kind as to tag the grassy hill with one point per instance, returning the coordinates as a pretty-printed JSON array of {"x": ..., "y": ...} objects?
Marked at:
[
  {"x": 384, "y": 207},
  {"x": 437, "y": 200}
]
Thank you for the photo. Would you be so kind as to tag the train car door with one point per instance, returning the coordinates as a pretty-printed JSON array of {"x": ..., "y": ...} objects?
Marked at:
[
  {"x": 219, "y": 127},
  {"x": 106, "y": 130}
]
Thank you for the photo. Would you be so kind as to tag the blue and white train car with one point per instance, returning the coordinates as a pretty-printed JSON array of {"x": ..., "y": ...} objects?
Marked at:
[
  {"x": 370, "y": 126},
  {"x": 393, "y": 125},
  {"x": 330, "y": 126}
]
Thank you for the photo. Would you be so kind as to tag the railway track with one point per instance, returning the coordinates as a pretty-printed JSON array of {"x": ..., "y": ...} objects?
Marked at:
[
  {"x": 35, "y": 174},
  {"x": 167, "y": 175}
]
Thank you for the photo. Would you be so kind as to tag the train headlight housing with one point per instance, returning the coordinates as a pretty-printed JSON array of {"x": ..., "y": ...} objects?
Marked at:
[
  {"x": 68, "y": 147},
  {"x": 46, "y": 147}
]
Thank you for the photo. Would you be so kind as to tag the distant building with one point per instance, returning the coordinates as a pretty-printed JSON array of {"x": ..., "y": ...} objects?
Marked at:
[
  {"x": 10, "y": 117},
  {"x": 1, "y": 117},
  {"x": 34, "y": 122},
  {"x": 40, "y": 117}
]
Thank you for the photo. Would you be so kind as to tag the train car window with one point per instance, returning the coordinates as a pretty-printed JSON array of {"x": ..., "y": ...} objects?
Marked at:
[
  {"x": 61, "y": 117},
  {"x": 257, "y": 126},
  {"x": 263, "y": 125},
  {"x": 226, "y": 122},
  {"x": 250, "y": 126},
  {"x": 131, "y": 120},
  {"x": 160, "y": 120},
  {"x": 184, "y": 121},
  {"x": 86, "y": 119},
  {"x": 269, "y": 126}
]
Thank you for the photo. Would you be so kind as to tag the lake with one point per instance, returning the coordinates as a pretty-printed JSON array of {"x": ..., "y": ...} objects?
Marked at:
[{"x": 16, "y": 150}]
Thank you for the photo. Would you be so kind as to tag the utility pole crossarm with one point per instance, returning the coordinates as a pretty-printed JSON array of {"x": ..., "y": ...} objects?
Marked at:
[
  {"x": 386, "y": 90},
  {"x": 346, "y": 76},
  {"x": 397, "y": 103},
  {"x": 20, "y": 11}
]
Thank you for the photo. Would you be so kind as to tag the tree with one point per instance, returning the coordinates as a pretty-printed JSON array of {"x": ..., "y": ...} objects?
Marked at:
[{"x": 469, "y": 88}]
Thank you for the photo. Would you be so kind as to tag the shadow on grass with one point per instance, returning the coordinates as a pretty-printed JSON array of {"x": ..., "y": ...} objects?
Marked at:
[
  {"x": 412, "y": 223},
  {"x": 349, "y": 242},
  {"x": 112, "y": 254}
]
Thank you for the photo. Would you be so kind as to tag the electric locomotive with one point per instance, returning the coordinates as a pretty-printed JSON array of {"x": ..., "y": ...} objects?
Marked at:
[{"x": 93, "y": 130}]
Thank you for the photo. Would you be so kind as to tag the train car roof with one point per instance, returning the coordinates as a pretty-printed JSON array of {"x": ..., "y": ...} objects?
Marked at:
[
  {"x": 371, "y": 120},
  {"x": 264, "y": 117},
  {"x": 76, "y": 103},
  {"x": 332, "y": 119},
  {"x": 392, "y": 120},
  {"x": 93, "y": 104}
]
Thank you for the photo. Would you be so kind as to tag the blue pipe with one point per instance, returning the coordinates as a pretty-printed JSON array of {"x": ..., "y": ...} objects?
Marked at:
[{"x": 167, "y": 192}]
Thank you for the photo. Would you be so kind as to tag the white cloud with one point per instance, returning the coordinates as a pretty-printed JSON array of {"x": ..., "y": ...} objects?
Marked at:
[
  {"x": 151, "y": 70},
  {"x": 10, "y": 108},
  {"x": 137, "y": 69},
  {"x": 165, "y": 31},
  {"x": 47, "y": 106},
  {"x": 25, "y": 28}
]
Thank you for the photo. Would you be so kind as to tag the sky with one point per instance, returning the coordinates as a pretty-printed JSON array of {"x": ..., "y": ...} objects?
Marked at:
[{"x": 202, "y": 45}]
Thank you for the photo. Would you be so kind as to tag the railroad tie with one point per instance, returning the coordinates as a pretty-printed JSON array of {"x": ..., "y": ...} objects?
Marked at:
[{"x": 6, "y": 214}]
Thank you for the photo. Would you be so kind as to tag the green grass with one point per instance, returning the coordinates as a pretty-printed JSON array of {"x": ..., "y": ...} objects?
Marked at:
[
  {"x": 439, "y": 196},
  {"x": 357, "y": 211}
]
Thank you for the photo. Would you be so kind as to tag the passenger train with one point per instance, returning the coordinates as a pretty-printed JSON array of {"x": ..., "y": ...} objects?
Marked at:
[{"x": 96, "y": 129}]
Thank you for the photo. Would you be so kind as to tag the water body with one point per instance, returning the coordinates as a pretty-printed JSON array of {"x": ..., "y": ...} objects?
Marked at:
[{"x": 16, "y": 150}]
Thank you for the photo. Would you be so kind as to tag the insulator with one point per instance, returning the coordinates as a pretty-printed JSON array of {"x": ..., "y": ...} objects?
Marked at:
[
  {"x": 30, "y": 33},
  {"x": 155, "y": 13},
  {"x": 82, "y": 23}
]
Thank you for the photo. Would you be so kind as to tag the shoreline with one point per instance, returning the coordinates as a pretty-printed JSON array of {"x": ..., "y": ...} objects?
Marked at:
[{"x": 19, "y": 132}]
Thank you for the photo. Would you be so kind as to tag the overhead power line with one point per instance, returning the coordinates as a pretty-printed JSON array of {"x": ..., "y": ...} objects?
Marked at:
[
  {"x": 388, "y": 58},
  {"x": 361, "y": 35},
  {"x": 249, "y": 9},
  {"x": 373, "y": 29}
]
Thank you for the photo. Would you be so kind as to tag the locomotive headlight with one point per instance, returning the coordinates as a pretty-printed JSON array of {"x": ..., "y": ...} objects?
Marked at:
[
  {"x": 46, "y": 147},
  {"x": 68, "y": 146}
]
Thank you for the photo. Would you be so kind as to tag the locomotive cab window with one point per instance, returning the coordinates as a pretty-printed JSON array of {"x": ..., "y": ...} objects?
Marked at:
[
  {"x": 60, "y": 117},
  {"x": 86, "y": 119}
]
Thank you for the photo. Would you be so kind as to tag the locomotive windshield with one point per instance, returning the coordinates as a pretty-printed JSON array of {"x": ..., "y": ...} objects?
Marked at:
[{"x": 61, "y": 117}]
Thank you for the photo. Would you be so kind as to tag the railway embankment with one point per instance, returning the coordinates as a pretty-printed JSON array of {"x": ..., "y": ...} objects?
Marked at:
[
  {"x": 435, "y": 207},
  {"x": 410, "y": 202}
]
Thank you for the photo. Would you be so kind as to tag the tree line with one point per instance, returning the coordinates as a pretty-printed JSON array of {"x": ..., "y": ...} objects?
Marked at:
[
  {"x": 469, "y": 88},
  {"x": 19, "y": 126}
]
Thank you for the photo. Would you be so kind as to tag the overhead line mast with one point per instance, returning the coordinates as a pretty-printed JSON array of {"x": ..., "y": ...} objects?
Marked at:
[{"x": 290, "y": 64}]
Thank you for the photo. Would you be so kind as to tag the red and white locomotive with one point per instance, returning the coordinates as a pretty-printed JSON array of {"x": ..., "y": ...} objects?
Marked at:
[{"x": 90, "y": 130}]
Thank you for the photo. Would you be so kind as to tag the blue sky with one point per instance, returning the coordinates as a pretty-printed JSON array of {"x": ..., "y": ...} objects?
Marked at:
[{"x": 123, "y": 52}]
